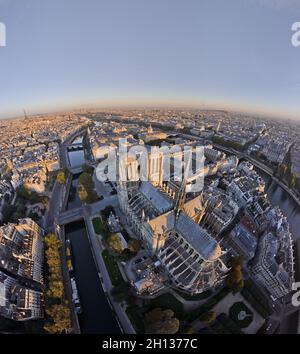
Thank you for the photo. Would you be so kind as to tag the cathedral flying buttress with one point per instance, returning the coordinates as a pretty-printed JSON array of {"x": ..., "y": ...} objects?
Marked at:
[{"x": 170, "y": 228}]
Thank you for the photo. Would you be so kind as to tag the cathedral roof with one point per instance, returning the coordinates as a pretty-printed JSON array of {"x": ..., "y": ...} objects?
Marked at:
[
  {"x": 198, "y": 238},
  {"x": 164, "y": 222},
  {"x": 159, "y": 201},
  {"x": 192, "y": 232},
  {"x": 194, "y": 206}
]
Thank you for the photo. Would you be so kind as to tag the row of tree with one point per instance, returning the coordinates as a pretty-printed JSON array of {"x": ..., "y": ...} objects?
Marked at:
[
  {"x": 227, "y": 143},
  {"x": 117, "y": 246},
  {"x": 159, "y": 321},
  {"x": 57, "y": 308},
  {"x": 284, "y": 172}
]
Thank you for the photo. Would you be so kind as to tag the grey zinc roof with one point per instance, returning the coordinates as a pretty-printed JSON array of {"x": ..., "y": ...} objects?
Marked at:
[
  {"x": 159, "y": 201},
  {"x": 207, "y": 247},
  {"x": 246, "y": 238},
  {"x": 193, "y": 206},
  {"x": 164, "y": 222}
]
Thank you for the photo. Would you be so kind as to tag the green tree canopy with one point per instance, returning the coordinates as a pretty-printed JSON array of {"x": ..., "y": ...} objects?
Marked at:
[
  {"x": 208, "y": 317},
  {"x": 134, "y": 245},
  {"x": 234, "y": 279},
  {"x": 88, "y": 169},
  {"x": 121, "y": 291},
  {"x": 61, "y": 177},
  {"x": 86, "y": 187},
  {"x": 115, "y": 243},
  {"x": 158, "y": 321}
]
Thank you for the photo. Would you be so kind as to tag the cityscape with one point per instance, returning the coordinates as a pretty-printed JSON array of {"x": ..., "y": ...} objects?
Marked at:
[
  {"x": 149, "y": 169},
  {"x": 152, "y": 256}
]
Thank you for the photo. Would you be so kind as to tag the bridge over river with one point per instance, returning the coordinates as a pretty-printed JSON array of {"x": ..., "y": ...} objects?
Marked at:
[{"x": 69, "y": 216}]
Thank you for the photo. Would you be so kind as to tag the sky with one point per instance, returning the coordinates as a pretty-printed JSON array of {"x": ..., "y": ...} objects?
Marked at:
[{"x": 233, "y": 54}]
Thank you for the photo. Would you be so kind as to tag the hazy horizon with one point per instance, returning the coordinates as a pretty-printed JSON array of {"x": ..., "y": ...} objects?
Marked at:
[{"x": 255, "y": 115}]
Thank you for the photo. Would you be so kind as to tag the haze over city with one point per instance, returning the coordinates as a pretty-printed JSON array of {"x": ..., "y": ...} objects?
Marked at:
[{"x": 71, "y": 54}]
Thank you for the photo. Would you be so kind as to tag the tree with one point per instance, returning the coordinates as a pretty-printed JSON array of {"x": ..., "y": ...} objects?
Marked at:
[
  {"x": 293, "y": 181},
  {"x": 259, "y": 155},
  {"x": 7, "y": 212},
  {"x": 88, "y": 169},
  {"x": 282, "y": 170},
  {"x": 60, "y": 319},
  {"x": 186, "y": 330},
  {"x": 45, "y": 201},
  {"x": 159, "y": 321},
  {"x": 56, "y": 289},
  {"x": 86, "y": 180},
  {"x": 25, "y": 194},
  {"x": 61, "y": 177},
  {"x": 6, "y": 197},
  {"x": 57, "y": 309},
  {"x": 237, "y": 261},
  {"x": 121, "y": 291},
  {"x": 134, "y": 245},
  {"x": 52, "y": 240},
  {"x": 234, "y": 280},
  {"x": 115, "y": 243},
  {"x": 208, "y": 317},
  {"x": 83, "y": 195},
  {"x": 125, "y": 255},
  {"x": 86, "y": 188},
  {"x": 34, "y": 216}
]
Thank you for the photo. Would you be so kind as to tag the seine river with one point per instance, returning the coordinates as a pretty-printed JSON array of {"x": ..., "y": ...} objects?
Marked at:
[
  {"x": 73, "y": 200},
  {"x": 97, "y": 315},
  {"x": 76, "y": 158},
  {"x": 290, "y": 208},
  {"x": 280, "y": 197}
]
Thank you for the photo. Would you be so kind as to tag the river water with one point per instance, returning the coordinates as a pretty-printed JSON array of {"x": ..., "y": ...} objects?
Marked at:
[
  {"x": 73, "y": 199},
  {"x": 76, "y": 158},
  {"x": 289, "y": 207},
  {"x": 96, "y": 316}
]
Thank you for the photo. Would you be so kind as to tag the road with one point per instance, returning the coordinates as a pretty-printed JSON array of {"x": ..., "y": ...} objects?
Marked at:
[
  {"x": 53, "y": 207},
  {"x": 69, "y": 216}
]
